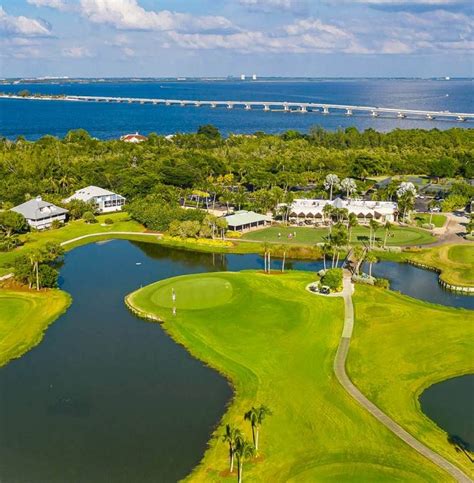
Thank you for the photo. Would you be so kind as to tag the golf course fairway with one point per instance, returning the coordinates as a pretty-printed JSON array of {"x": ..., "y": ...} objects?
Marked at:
[
  {"x": 24, "y": 317},
  {"x": 276, "y": 343},
  {"x": 397, "y": 343}
]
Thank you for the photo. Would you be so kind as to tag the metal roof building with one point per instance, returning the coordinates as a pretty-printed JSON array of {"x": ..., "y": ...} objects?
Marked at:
[
  {"x": 39, "y": 213},
  {"x": 245, "y": 220},
  {"x": 104, "y": 200}
]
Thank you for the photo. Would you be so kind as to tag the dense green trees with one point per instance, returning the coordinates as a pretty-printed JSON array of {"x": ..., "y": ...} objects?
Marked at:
[{"x": 58, "y": 167}]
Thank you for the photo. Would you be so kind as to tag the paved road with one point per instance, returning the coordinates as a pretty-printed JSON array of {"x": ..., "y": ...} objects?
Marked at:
[
  {"x": 453, "y": 231},
  {"x": 343, "y": 378}
]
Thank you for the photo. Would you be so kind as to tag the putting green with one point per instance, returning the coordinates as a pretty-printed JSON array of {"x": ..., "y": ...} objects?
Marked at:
[
  {"x": 24, "y": 316},
  {"x": 277, "y": 342},
  {"x": 193, "y": 294}
]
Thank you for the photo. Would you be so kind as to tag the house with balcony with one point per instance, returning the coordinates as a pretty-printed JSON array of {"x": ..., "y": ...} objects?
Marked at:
[{"x": 103, "y": 201}]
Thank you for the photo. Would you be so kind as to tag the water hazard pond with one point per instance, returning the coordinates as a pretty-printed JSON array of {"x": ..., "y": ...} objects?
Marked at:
[{"x": 107, "y": 396}]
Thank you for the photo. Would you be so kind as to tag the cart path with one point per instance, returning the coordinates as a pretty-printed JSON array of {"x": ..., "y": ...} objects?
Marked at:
[{"x": 343, "y": 378}]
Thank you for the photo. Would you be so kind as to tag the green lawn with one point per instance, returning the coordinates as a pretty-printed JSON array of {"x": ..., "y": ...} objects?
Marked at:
[
  {"x": 400, "y": 347},
  {"x": 276, "y": 343},
  {"x": 401, "y": 236},
  {"x": 456, "y": 262},
  {"x": 438, "y": 219},
  {"x": 71, "y": 230},
  {"x": 24, "y": 317}
]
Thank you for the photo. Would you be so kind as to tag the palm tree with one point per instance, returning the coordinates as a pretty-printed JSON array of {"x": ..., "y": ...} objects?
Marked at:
[
  {"x": 327, "y": 212},
  {"x": 373, "y": 225},
  {"x": 431, "y": 205},
  {"x": 352, "y": 222},
  {"x": 388, "y": 227},
  {"x": 358, "y": 253},
  {"x": 460, "y": 446},
  {"x": 331, "y": 182},
  {"x": 243, "y": 450},
  {"x": 256, "y": 417},
  {"x": 231, "y": 436},
  {"x": 35, "y": 257},
  {"x": 327, "y": 250},
  {"x": 370, "y": 258}
]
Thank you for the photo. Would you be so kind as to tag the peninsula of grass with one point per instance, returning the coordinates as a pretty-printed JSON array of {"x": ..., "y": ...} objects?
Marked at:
[
  {"x": 24, "y": 317},
  {"x": 400, "y": 236},
  {"x": 276, "y": 343},
  {"x": 400, "y": 346},
  {"x": 454, "y": 262}
]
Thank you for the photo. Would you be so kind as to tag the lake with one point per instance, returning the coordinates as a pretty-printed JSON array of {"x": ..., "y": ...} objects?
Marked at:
[
  {"x": 109, "y": 397},
  {"x": 34, "y": 119},
  {"x": 449, "y": 404}
]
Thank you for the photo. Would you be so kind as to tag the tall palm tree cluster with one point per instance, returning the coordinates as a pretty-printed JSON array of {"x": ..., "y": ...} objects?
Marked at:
[{"x": 240, "y": 448}]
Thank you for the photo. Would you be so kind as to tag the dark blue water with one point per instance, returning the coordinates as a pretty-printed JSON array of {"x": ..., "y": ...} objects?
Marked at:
[
  {"x": 33, "y": 119},
  {"x": 107, "y": 396},
  {"x": 419, "y": 283},
  {"x": 449, "y": 404}
]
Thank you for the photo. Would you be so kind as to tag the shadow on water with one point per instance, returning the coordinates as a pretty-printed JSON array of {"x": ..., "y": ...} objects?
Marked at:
[{"x": 107, "y": 396}]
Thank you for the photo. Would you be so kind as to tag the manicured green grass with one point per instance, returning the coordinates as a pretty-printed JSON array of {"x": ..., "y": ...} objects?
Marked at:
[
  {"x": 456, "y": 262},
  {"x": 71, "y": 230},
  {"x": 399, "y": 348},
  {"x": 276, "y": 343},
  {"x": 438, "y": 220},
  {"x": 24, "y": 317},
  {"x": 401, "y": 236}
]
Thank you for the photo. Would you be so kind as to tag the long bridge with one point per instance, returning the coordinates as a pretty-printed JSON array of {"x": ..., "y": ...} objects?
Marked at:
[{"x": 267, "y": 106}]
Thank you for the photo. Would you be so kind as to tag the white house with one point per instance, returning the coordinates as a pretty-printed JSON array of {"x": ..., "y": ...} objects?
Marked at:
[
  {"x": 133, "y": 138},
  {"x": 40, "y": 214},
  {"x": 246, "y": 220},
  {"x": 103, "y": 200},
  {"x": 311, "y": 211}
]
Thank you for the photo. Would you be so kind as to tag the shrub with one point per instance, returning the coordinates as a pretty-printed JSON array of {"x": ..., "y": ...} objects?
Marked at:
[
  {"x": 382, "y": 282},
  {"x": 233, "y": 234},
  {"x": 109, "y": 221},
  {"x": 333, "y": 279},
  {"x": 56, "y": 224},
  {"x": 89, "y": 217}
]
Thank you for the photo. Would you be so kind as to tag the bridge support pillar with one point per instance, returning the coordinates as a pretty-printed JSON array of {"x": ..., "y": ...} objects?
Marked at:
[
  {"x": 348, "y": 112},
  {"x": 266, "y": 107},
  {"x": 303, "y": 109},
  {"x": 248, "y": 107},
  {"x": 461, "y": 119},
  {"x": 325, "y": 110},
  {"x": 182, "y": 104},
  {"x": 197, "y": 104},
  {"x": 401, "y": 115},
  {"x": 168, "y": 103},
  {"x": 286, "y": 107},
  {"x": 375, "y": 114},
  {"x": 230, "y": 106},
  {"x": 430, "y": 117},
  {"x": 213, "y": 105}
]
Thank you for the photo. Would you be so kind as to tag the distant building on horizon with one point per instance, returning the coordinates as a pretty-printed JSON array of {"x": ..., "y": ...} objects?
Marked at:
[
  {"x": 40, "y": 214},
  {"x": 133, "y": 138},
  {"x": 104, "y": 201}
]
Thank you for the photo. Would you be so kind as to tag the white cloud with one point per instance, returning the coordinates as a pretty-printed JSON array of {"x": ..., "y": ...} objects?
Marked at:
[
  {"x": 295, "y": 6},
  {"x": 310, "y": 35},
  {"x": 129, "y": 15},
  {"x": 76, "y": 52},
  {"x": 439, "y": 3},
  {"x": 23, "y": 26},
  {"x": 57, "y": 4}
]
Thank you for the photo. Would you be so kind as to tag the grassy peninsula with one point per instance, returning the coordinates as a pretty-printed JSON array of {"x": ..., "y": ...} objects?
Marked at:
[{"x": 276, "y": 343}]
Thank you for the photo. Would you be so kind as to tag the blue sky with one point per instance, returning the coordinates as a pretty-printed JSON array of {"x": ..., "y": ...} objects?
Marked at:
[{"x": 98, "y": 38}]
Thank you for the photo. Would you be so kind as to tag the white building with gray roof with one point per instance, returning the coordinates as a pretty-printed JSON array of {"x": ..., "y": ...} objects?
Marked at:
[
  {"x": 246, "y": 220},
  {"x": 104, "y": 201},
  {"x": 40, "y": 214}
]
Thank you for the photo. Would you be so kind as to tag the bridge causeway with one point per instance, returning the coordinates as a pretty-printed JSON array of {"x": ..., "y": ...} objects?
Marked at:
[{"x": 267, "y": 106}]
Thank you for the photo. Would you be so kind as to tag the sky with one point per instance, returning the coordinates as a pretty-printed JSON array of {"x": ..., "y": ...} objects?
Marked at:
[{"x": 167, "y": 38}]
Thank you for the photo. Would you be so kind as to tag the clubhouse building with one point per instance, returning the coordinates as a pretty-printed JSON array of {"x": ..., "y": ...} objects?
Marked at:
[
  {"x": 104, "y": 201},
  {"x": 40, "y": 214},
  {"x": 246, "y": 220},
  {"x": 311, "y": 211}
]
